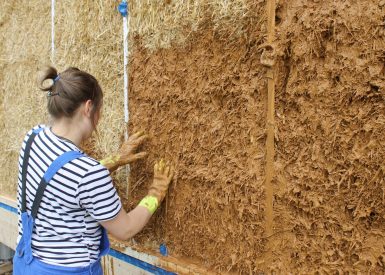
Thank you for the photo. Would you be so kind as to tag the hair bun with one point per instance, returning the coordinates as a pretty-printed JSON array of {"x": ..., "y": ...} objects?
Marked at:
[{"x": 46, "y": 78}]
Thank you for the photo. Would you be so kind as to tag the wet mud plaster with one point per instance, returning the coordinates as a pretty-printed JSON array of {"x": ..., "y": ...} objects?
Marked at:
[
  {"x": 330, "y": 150},
  {"x": 204, "y": 103},
  {"x": 204, "y": 107}
]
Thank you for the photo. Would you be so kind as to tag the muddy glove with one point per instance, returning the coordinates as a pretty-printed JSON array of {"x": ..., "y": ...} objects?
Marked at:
[
  {"x": 162, "y": 177},
  {"x": 126, "y": 154}
]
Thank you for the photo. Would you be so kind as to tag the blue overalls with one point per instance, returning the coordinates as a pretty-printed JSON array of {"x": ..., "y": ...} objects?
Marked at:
[{"x": 24, "y": 263}]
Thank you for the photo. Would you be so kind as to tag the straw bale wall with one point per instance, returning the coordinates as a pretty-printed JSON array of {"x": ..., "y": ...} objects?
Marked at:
[
  {"x": 198, "y": 89},
  {"x": 24, "y": 44},
  {"x": 89, "y": 36},
  {"x": 161, "y": 24}
]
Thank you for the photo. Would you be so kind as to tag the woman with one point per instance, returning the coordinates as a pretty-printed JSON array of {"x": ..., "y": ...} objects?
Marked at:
[{"x": 66, "y": 199}]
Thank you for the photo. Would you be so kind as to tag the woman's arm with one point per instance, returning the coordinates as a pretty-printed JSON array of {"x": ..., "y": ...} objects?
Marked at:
[{"x": 126, "y": 225}]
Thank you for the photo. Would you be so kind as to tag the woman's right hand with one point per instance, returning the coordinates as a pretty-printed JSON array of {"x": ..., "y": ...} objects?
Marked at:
[
  {"x": 163, "y": 175},
  {"x": 125, "y": 226}
]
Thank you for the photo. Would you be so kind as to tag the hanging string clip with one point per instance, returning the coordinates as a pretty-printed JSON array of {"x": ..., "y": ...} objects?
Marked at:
[{"x": 122, "y": 8}]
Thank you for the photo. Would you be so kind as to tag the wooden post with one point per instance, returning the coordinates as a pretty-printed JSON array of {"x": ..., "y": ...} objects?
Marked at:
[{"x": 270, "y": 150}]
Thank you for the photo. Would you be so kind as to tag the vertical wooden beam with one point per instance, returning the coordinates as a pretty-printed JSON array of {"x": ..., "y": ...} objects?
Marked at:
[{"x": 270, "y": 150}]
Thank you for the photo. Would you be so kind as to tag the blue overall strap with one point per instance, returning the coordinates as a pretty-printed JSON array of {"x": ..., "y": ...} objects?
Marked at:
[
  {"x": 27, "y": 150},
  {"x": 51, "y": 171}
]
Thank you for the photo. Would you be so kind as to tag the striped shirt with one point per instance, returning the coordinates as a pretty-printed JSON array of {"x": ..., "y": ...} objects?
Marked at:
[{"x": 67, "y": 231}]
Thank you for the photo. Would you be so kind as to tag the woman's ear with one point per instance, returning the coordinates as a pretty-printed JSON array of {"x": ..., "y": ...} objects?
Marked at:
[{"x": 88, "y": 107}]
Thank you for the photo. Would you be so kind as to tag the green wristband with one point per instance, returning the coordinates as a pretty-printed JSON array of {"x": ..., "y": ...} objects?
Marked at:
[
  {"x": 150, "y": 202},
  {"x": 110, "y": 160}
]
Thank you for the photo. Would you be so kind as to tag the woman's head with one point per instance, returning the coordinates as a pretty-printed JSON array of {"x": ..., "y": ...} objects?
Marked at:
[{"x": 68, "y": 90}]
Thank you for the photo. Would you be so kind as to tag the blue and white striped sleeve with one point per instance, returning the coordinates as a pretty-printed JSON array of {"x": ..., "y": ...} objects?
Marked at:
[{"x": 97, "y": 195}]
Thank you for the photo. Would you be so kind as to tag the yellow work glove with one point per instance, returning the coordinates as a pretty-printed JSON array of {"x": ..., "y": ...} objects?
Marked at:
[
  {"x": 126, "y": 154},
  {"x": 162, "y": 178}
]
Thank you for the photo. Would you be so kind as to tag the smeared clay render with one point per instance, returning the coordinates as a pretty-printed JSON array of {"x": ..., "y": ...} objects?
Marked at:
[{"x": 204, "y": 105}]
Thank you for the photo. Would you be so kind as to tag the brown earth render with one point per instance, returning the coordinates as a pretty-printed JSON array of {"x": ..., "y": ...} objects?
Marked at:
[
  {"x": 330, "y": 153},
  {"x": 204, "y": 104}
]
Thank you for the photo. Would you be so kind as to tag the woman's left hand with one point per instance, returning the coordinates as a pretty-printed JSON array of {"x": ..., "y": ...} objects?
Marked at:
[{"x": 127, "y": 153}]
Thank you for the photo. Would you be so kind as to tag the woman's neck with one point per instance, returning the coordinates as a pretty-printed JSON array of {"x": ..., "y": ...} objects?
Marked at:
[{"x": 68, "y": 129}]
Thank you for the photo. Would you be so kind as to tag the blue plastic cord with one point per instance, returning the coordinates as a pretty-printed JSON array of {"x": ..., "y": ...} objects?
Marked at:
[
  {"x": 8, "y": 207},
  {"x": 123, "y": 8}
]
